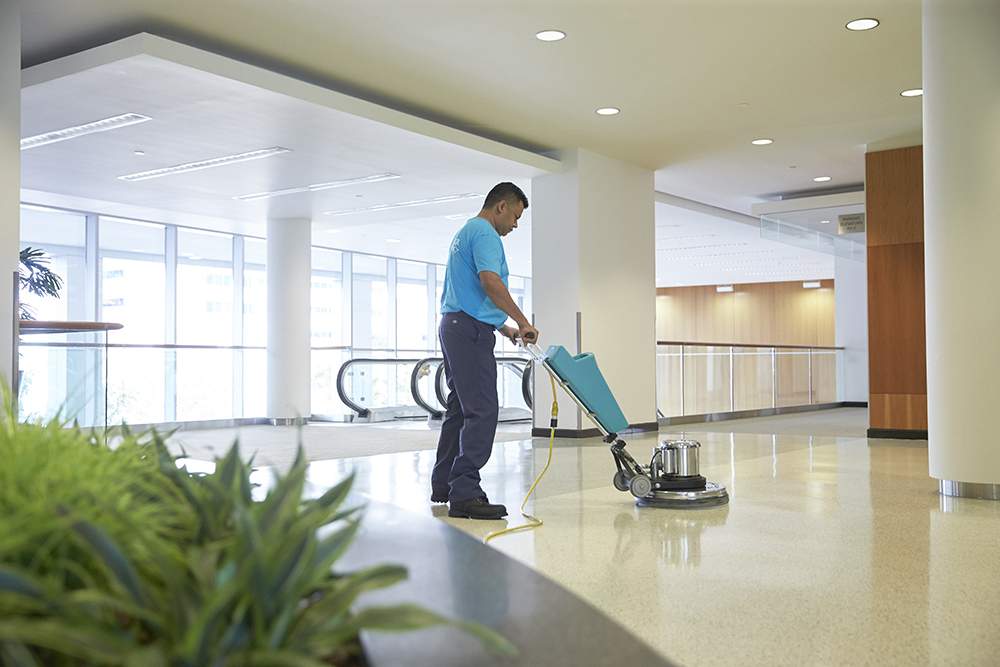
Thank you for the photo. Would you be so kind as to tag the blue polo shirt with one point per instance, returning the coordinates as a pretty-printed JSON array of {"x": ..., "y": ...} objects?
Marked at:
[{"x": 476, "y": 247}]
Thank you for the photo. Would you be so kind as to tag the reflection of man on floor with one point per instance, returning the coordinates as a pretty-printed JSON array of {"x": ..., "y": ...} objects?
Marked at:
[{"x": 475, "y": 303}]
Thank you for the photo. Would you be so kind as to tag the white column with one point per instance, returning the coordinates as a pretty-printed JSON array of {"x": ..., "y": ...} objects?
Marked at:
[
  {"x": 961, "y": 71},
  {"x": 289, "y": 283},
  {"x": 593, "y": 262},
  {"x": 851, "y": 328},
  {"x": 10, "y": 176}
]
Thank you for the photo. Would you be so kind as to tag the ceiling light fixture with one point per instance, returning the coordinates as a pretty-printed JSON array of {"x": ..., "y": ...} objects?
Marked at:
[
  {"x": 724, "y": 288},
  {"x": 822, "y": 179},
  {"x": 811, "y": 284},
  {"x": 761, "y": 142},
  {"x": 317, "y": 187},
  {"x": 550, "y": 35},
  {"x": 403, "y": 204},
  {"x": 205, "y": 164},
  {"x": 112, "y": 123},
  {"x": 824, "y": 222},
  {"x": 608, "y": 111},
  {"x": 140, "y": 153},
  {"x": 913, "y": 92},
  {"x": 393, "y": 241},
  {"x": 862, "y": 24}
]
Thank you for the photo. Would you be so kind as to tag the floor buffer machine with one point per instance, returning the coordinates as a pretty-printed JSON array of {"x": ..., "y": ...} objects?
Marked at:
[{"x": 672, "y": 480}]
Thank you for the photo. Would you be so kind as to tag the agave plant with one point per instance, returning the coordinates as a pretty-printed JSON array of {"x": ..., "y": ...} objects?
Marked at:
[{"x": 206, "y": 576}]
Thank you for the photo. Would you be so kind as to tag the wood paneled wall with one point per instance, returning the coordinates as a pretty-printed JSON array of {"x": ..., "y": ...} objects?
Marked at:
[
  {"x": 897, "y": 350},
  {"x": 755, "y": 314}
]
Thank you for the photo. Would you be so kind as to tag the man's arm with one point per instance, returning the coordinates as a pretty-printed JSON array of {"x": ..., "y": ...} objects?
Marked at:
[{"x": 501, "y": 298}]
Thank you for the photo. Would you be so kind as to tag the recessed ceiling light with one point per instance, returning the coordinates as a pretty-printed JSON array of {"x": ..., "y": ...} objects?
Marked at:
[
  {"x": 913, "y": 92},
  {"x": 318, "y": 186},
  {"x": 140, "y": 153},
  {"x": 403, "y": 204},
  {"x": 761, "y": 142},
  {"x": 724, "y": 288},
  {"x": 823, "y": 179},
  {"x": 608, "y": 111},
  {"x": 550, "y": 35},
  {"x": 112, "y": 123},
  {"x": 205, "y": 164},
  {"x": 393, "y": 241},
  {"x": 824, "y": 222},
  {"x": 811, "y": 284},
  {"x": 862, "y": 24}
]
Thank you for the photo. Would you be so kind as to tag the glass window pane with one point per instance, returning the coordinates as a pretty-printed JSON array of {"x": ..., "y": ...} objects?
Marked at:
[
  {"x": 61, "y": 236},
  {"x": 371, "y": 304},
  {"x": 133, "y": 279},
  {"x": 204, "y": 288},
  {"x": 327, "y": 298},
  {"x": 411, "y": 307},
  {"x": 254, "y": 293}
]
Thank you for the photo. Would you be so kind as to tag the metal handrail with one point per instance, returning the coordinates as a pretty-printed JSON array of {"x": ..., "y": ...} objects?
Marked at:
[
  {"x": 801, "y": 347},
  {"x": 361, "y": 410},
  {"x": 511, "y": 362}
]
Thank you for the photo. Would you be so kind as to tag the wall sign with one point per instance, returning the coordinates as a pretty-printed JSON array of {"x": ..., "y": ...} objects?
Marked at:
[{"x": 850, "y": 224}]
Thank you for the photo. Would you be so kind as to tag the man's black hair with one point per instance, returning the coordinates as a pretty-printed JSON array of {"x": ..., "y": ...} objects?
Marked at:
[{"x": 505, "y": 191}]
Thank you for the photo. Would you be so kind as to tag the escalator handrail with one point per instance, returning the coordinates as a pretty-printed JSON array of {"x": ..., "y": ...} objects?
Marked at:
[
  {"x": 415, "y": 390},
  {"x": 360, "y": 409}
]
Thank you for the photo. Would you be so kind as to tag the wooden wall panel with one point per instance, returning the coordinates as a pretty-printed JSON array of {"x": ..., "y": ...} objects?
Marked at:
[
  {"x": 794, "y": 314},
  {"x": 754, "y": 314},
  {"x": 898, "y": 412},
  {"x": 896, "y": 328},
  {"x": 825, "y": 330},
  {"x": 894, "y": 196}
]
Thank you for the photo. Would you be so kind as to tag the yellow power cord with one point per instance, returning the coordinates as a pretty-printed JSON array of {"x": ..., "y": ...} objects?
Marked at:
[{"x": 535, "y": 522}]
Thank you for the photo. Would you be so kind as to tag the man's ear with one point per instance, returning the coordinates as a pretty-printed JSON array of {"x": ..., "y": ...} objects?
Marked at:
[{"x": 501, "y": 206}]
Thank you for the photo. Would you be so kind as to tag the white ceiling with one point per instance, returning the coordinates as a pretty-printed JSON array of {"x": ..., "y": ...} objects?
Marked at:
[{"x": 696, "y": 82}]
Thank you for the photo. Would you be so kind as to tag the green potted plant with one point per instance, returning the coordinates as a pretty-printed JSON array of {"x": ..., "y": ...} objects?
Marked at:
[
  {"x": 35, "y": 276},
  {"x": 121, "y": 558}
]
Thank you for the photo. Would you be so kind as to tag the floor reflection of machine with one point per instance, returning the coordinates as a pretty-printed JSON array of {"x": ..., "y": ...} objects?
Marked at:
[{"x": 674, "y": 537}]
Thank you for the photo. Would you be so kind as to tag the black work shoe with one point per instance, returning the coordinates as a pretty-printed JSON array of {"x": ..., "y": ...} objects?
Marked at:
[
  {"x": 476, "y": 508},
  {"x": 439, "y": 497}
]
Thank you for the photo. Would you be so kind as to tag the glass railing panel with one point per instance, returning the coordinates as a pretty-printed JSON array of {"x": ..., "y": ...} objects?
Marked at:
[
  {"x": 324, "y": 398},
  {"x": 255, "y": 383},
  {"x": 792, "y": 370},
  {"x": 62, "y": 375},
  {"x": 824, "y": 376},
  {"x": 204, "y": 383},
  {"x": 753, "y": 378},
  {"x": 136, "y": 385},
  {"x": 509, "y": 388},
  {"x": 669, "y": 387},
  {"x": 707, "y": 386}
]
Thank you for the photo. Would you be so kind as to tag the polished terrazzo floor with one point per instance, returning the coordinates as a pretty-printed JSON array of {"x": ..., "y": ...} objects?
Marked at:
[{"x": 833, "y": 550}]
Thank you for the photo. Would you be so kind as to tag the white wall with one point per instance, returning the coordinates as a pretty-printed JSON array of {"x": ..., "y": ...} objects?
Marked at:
[
  {"x": 10, "y": 174},
  {"x": 851, "y": 327},
  {"x": 593, "y": 254}
]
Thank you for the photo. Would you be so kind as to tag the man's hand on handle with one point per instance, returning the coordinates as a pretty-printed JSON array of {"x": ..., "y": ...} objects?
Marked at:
[{"x": 526, "y": 334}]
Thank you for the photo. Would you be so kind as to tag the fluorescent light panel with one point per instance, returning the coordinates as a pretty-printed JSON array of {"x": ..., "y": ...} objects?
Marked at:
[
  {"x": 317, "y": 187},
  {"x": 724, "y": 288},
  {"x": 811, "y": 285},
  {"x": 205, "y": 164},
  {"x": 112, "y": 123},
  {"x": 404, "y": 204}
]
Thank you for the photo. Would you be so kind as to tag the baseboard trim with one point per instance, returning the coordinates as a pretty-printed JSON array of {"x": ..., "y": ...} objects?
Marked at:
[
  {"x": 762, "y": 412},
  {"x": 897, "y": 434}
]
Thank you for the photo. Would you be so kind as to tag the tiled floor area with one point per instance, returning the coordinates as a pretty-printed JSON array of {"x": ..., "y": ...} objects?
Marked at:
[{"x": 833, "y": 550}]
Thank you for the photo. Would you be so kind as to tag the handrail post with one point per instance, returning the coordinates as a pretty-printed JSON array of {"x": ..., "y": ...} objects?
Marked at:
[
  {"x": 810, "y": 376},
  {"x": 732, "y": 381},
  {"x": 683, "y": 388},
  {"x": 774, "y": 377}
]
